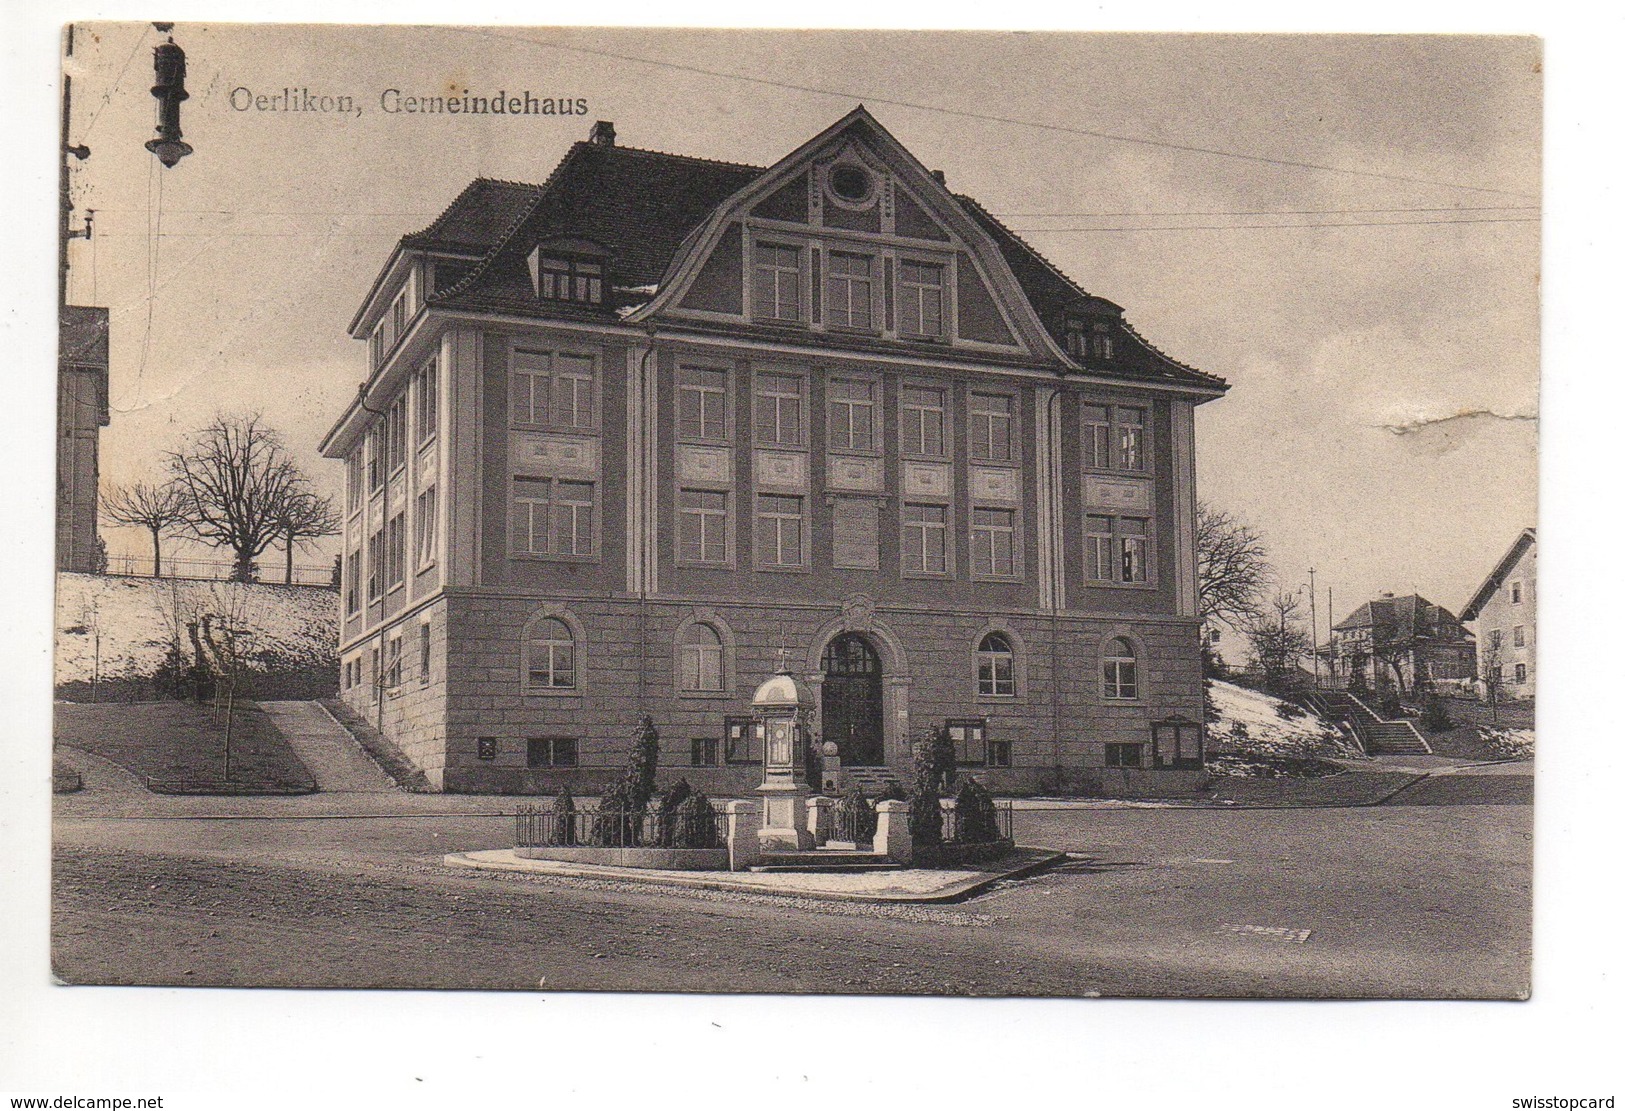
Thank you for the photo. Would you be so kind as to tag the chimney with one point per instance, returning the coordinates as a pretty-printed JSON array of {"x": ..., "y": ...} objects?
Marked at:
[
  {"x": 603, "y": 134},
  {"x": 941, "y": 178},
  {"x": 1387, "y": 593}
]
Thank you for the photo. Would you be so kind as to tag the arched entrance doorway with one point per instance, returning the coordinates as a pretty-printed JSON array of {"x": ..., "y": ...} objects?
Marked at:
[{"x": 853, "y": 710}]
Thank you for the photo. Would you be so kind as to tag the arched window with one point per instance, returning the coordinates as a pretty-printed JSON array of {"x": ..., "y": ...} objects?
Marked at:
[
  {"x": 551, "y": 656},
  {"x": 996, "y": 667},
  {"x": 1121, "y": 670},
  {"x": 700, "y": 659}
]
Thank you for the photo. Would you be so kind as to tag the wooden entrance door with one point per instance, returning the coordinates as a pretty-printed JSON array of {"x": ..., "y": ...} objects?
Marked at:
[{"x": 853, "y": 714}]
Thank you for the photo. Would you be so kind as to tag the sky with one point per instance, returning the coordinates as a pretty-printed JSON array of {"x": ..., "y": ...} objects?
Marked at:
[{"x": 1273, "y": 209}]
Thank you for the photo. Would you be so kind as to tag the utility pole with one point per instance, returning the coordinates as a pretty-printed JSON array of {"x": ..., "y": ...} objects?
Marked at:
[
  {"x": 65, "y": 230},
  {"x": 1314, "y": 630}
]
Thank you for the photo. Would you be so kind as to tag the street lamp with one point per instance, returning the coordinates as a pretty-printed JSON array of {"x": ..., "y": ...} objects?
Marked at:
[{"x": 169, "y": 86}]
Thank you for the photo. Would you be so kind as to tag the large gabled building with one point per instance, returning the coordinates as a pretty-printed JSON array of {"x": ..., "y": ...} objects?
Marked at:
[
  {"x": 1503, "y": 612},
  {"x": 1402, "y": 644},
  {"x": 631, "y": 435}
]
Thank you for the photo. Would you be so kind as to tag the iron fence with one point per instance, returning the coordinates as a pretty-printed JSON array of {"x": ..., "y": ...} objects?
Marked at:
[
  {"x": 216, "y": 570},
  {"x": 683, "y": 828},
  {"x": 1003, "y": 822}
]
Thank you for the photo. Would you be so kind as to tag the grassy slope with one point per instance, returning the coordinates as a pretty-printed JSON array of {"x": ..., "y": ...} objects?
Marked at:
[{"x": 178, "y": 746}]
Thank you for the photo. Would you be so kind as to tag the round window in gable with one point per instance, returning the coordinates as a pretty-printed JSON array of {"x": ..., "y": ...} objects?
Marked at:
[{"x": 851, "y": 183}]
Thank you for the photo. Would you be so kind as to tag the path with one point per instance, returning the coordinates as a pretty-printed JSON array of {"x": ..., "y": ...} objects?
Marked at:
[{"x": 327, "y": 749}]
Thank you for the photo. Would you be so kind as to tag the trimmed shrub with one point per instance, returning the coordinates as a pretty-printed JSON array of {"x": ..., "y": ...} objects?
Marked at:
[
  {"x": 642, "y": 763},
  {"x": 692, "y": 823},
  {"x": 617, "y": 821},
  {"x": 925, "y": 807},
  {"x": 564, "y": 817},
  {"x": 978, "y": 819},
  {"x": 893, "y": 793}
]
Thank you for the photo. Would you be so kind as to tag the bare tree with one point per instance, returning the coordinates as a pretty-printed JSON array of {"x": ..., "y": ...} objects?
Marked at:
[
  {"x": 160, "y": 509},
  {"x": 306, "y": 515},
  {"x": 237, "y": 477},
  {"x": 1278, "y": 640},
  {"x": 1232, "y": 568}
]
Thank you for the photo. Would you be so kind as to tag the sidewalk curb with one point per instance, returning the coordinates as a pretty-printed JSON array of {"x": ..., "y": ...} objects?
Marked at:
[{"x": 949, "y": 893}]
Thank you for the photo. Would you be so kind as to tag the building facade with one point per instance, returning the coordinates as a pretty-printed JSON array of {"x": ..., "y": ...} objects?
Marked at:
[
  {"x": 633, "y": 435},
  {"x": 1401, "y": 644},
  {"x": 1502, "y": 611},
  {"x": 81, "y": 414}
]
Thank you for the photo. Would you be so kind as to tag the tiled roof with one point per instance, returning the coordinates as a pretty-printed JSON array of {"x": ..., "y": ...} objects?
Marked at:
[
  {"x": 1401, "y": 613},
  {"x": 641, "y": 206},
  {"x": 1525, "y": 541},
  {"x": 478, "y": 219}
]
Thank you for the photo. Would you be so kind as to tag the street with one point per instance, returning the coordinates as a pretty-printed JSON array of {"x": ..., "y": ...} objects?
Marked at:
[{"x": 1422, "y": 898}]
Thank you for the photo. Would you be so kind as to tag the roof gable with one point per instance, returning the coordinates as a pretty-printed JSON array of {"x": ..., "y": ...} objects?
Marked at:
[
  {"x": 842, "y": 190},
  {"x": 1486, "y": 590}
]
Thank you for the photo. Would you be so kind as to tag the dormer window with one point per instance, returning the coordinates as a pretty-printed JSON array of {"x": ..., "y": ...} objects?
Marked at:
[
  {"x": 570, "y": 270},
  {"x": 1089, "y": 340},
  {"x": 571, "y": 279}
]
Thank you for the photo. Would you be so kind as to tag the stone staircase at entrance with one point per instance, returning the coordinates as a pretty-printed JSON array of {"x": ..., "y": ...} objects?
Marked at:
[
  {"x": 874, "y": 780},
  {"x": 1376, "y": 736},
  {"x": 825, "y": 860}
]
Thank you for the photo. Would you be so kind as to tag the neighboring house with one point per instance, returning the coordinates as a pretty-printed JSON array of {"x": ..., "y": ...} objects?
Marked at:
[
  {"x": 630, "y": 434},
  {"x": 1399, "y": 643},
  {"x": 81, "y": 414},
  {"x": 1503, "y": 613}
]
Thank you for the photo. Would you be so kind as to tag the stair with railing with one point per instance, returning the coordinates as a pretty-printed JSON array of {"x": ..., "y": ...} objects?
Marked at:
[
  {"x": 1377, "y": 736},
  {"x": 875, "y": 780}
]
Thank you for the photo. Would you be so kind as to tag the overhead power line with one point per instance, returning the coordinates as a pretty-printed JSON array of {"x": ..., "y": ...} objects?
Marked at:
[
  {"x": 1189, "y": 148},
  {"x": 1268, "y": 227}
]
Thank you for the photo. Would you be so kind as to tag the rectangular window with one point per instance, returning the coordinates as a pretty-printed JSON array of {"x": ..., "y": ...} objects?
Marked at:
[
  {"x": 993, "y": 541},
  {"x": 702, "y": 530},
  {"x": 1114, "y": 438},
  {"x": 1517, "y": 593},
  {"x": 1123, "y": 755},
  {"x": 778, "y": 410},
  {"x": 426, "y": 523},
  {"x": 779, "y": 522},
  {"x": 392, "y": 668},
  {"x": 702, "y": 403},
  {"x": 857, "y": 533},
  {"x": 702, "y": 752},
  {"x": 1121, "y": 679},
  {"x": 998, "y": 754},
  {"x": 925, "y": 539},
  {"x": 919, "y": 299},
  {"x": 354, "y": 468},
  {"x": 1097, "y": 437},
  {"x": 569, "y": 279},
  {"x": 375, "y": 566},
  {"x": 1520, "y": 673},
  {"x": 550, "y": 752},
  {"x": 990, "y": 425},
  {"x": 1495, "y": 638},
  {"x": 428, "y": 401},
  {"x": 741, "y": 742},
  {"x": 851, "y": 415},
  {"x": 969, "y": 736},
  {"x": 1517, "y": 636},
  {"x": 1117, "y": 549},
  {"x": 375, "y": 457},
  {"x": 849, "y": 290},
  {"x": 423, "y": 653},
  {"x": 395, "y": 435},
  {"x": 553, "y": 516},
  {"x": 777, "y": 293},
  {"x": 925, "y": 421},
  {"x": 395, "y": 551},
  {"x": 552, "y": 389},
  {"x": 352, "y": 589}
]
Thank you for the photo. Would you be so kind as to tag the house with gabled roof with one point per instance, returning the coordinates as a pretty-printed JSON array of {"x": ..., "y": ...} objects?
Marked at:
[
  {"x": 1402, "y": 644},
  {"x": 1502, "y": 611},
  {"x": 631, "y": 436}
]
